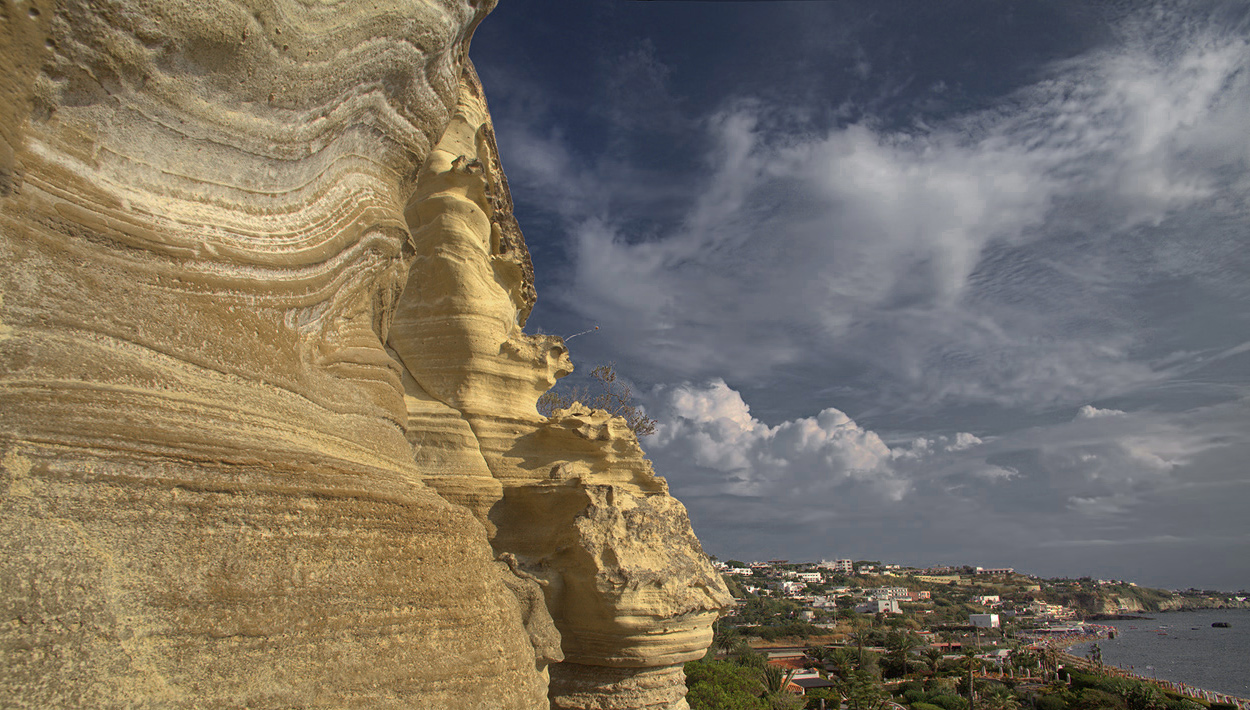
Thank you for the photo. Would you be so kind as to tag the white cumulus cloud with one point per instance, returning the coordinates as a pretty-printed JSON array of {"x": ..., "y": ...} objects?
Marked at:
[{"x": 712, "y": 427}]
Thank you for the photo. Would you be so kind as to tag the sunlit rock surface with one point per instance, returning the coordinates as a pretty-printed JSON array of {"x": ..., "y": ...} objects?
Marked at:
[
  {"x": 571, "y": 497},
  {"x": 218, "y": 487}
]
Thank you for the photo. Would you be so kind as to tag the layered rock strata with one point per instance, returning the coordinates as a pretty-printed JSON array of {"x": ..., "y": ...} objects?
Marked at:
[
  {"x": 572, "y": 497},
  {"x": 219, "y": 487}
]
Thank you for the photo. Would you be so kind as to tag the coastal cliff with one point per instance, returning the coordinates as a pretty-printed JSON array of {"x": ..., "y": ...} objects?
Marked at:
[
  {"x": 268, "y": 434},
  {"x": 1173, "y": 602}
]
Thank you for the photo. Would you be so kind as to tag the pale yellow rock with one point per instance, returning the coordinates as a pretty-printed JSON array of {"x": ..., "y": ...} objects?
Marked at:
[
  {"x": 208, "y": 496},
  {"x": 220, "y": 488},
  {"x": 580, "y": 507}
]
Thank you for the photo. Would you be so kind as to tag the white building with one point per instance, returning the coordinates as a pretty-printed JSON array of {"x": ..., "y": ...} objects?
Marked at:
[
  {"x": 789, "y": 587},
  {"x": 879, "y": 606},
  {"x": 984, "y": 621},
  {"x": 887, "y": 593},
  {"x": 838, "y": 566}
]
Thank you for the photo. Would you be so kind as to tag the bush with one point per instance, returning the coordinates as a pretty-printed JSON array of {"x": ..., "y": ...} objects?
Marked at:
[
  {"x": 909, "y": 685},
  {"x": 911, "y": 697},
  {"x": 1053, "y": 701},
  {"x": 1094, "y": 699},
  {"x": 949, "y": 702},
  {"x": 1178, "y": 701},
  {"x": 925, "y": 706},
  {"x": 609, "y": 394},
  {"x": 831, "y": 697}
]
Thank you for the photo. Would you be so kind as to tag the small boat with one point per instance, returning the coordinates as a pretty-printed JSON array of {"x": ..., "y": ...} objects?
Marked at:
[{"x": 1221, "y": 625}]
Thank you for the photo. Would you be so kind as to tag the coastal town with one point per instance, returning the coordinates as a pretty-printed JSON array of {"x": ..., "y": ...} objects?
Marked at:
[{"x": 868, "y": 635}]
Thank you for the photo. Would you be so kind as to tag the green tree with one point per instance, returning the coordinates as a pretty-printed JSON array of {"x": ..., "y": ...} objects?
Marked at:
[
  {"x": 862, "y": 636},
  {"x": 743, "y": 655},
  {"x": 899, "y": 645},
  {"x": 971, "y": 664},
  {"x": 819, "y": 656},
  {"x": 841, "y": 662},
  {"x": 720, "y": 685},
  {"x": 607, "y": 392},
  {"x": 863, "y": 692},
  {"x": 933, "y": 656},
  {"x": 832, "y": 699}
]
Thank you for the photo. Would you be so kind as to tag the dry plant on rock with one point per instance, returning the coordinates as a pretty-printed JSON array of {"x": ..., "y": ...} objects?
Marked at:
[{"x": 607, "y": 393}]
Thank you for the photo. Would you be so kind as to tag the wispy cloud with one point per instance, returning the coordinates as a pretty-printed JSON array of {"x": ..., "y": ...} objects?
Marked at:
[
  {"x": 979, "y": 258},
  {"x": 914, "y": 310}
]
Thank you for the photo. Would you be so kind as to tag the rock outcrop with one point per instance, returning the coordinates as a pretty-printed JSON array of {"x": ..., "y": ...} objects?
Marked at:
[
  {"x": 571, "y": 498},
  {"x": 267, "y": 422}
]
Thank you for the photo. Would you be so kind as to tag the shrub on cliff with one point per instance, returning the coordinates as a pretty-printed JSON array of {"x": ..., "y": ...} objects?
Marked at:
[{"x": 607, "y": 393}]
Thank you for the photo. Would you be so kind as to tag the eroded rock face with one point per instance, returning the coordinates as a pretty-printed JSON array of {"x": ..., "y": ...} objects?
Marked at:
[
  {"x": 219, "y": 487},
  {"x": 208, "y": 498},
  {"x": 571, "y": 498}
]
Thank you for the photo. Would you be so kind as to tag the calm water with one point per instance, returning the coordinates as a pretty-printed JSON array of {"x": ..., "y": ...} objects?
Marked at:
[{"x": 1183, "y": 647}]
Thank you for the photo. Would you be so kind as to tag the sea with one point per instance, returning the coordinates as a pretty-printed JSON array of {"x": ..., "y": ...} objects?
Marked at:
[{"x": 1182, "y": 646}]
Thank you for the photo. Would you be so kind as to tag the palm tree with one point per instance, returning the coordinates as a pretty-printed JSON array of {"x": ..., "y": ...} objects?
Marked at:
[
  {"x": 1023, "y": 659},
  {"x": 1050, "y": 659},
  {"x": 777, "y": 687},
  {"x": 999, "y": 698},
  {"x": 819, "y": 654},
  {"x": 900, "y": 646},
  {"x": 841, "y": 661},
  {"x": 972, "y": 663},
  {"x": 933, "y": 656},
  {"x": 777, "y": 679},
  {"x": 861, "y": 635}
]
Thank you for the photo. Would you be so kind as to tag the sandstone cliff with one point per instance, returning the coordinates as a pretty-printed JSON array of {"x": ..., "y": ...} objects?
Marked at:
[{"x": 267, "y": 423}]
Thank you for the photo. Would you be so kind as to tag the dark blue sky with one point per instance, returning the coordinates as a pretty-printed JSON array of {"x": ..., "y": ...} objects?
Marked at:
[{"x": 925, "y": 281}]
